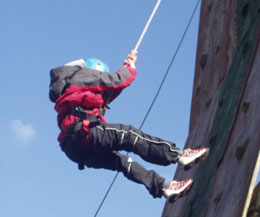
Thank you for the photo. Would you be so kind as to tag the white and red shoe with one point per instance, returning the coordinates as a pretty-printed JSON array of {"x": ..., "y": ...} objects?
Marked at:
[
  {"x": 191, "y": 157},
  {"x": 177, "y": 190}
]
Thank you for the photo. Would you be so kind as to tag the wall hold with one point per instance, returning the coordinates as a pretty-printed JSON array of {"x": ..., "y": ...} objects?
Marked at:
[
  {"x": 213, "y": 140},
  {"x": 207, "y": 104},
  {"x": 240, "y": 150},
  {"x": 203, "y": 60},
  {"x": 245, "y": 10},
  {"x": 209, "y": 7},
  {"x": 218, "y": 198},
  {"x": 216, "y": 48},
  {"x": 221, "y": 102},
  {"x": 245, "y": 107},
  {"x": 198, "y": 89},
  {"x": 245, "y": 49}
]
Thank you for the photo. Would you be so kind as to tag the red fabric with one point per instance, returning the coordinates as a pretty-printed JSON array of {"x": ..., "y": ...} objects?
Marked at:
[{"x": 90, "y": 96}]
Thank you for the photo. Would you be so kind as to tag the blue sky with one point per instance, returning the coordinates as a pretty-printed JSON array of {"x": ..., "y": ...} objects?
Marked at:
[{"x": 37, "y": 180}]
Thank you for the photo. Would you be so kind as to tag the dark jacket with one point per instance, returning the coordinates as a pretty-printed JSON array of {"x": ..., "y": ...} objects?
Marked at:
[{"x": 73, "y": 86}]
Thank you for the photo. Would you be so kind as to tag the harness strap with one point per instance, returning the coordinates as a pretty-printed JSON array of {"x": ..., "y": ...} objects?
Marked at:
[
  {"x": 101, "y": 109},
  {"x": 84, "y": 115},
  {"x": 76, "y": 111}
]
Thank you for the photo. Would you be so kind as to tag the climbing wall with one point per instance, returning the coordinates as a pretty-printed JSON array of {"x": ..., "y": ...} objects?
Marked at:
[{"x": 225, "y": 113}]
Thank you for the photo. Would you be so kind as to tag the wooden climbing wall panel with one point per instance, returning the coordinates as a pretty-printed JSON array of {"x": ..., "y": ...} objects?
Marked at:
[{"x": 225, "y": 113}]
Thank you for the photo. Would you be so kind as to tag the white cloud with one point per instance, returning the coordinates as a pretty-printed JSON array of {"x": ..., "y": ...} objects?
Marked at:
[{"x": 23, "y": 133}]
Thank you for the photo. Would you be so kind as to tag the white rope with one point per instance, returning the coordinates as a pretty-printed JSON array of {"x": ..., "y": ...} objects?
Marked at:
[{"x": 147, "y": 25}]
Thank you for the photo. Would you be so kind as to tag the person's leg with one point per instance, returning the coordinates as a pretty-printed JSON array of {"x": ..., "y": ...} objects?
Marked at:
[
  {"x": 113, "y": 160},
  {"x": 132, "y": 170},
  {"x": 154, "y": 183},
  {"x": 128, "y": 138},
  {"x": 151, "y": 149}
]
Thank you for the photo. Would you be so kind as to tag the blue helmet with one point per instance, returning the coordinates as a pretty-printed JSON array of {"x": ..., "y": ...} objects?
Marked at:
[{"x": 97, "y": 64}]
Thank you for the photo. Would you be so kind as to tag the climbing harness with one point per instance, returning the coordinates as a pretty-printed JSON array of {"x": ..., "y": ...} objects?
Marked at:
[
  {"x": 84, "y": 115},
  {"x": 73, "y": 132}
]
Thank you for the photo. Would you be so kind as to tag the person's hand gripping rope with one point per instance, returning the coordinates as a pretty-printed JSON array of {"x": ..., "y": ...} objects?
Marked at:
[{"x": 131, "y": 59}]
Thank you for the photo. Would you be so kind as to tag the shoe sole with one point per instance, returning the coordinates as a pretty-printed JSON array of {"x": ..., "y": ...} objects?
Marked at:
[
  {"x": 197, "y": 160},
  {"x": 175, "y": 197}
]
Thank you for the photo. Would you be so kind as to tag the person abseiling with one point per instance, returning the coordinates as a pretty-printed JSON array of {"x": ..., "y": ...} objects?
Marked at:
[{"x": 81, "y": 91}]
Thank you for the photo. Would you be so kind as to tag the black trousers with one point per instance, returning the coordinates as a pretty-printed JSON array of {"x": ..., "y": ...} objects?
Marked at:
[{"x": 108, "y": 139}]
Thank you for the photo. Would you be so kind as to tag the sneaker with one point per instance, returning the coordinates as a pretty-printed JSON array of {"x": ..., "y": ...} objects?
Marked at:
[
  {"x": 177, "y": 190},
  {"x": 191, "y": 157}
]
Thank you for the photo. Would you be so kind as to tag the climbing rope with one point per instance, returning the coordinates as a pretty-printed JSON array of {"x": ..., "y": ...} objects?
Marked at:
[
  {"x": 147, "y": 25},
  {"x": 156, "y": 95}
]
